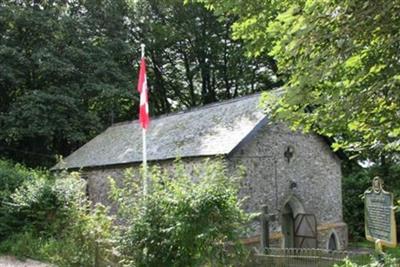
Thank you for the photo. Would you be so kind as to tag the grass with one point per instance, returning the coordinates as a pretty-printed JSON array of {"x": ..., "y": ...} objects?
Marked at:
[{"x": 394, "y": 252}]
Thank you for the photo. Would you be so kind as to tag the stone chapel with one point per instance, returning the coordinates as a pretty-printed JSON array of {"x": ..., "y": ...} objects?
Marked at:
[{"x": 297, "y": 176}]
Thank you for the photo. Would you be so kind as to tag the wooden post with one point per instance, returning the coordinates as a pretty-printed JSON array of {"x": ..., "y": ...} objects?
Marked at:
[{"x": 264, "y": 229}]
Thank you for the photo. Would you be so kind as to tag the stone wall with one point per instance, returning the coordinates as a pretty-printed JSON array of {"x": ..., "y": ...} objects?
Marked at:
[{"x": 98, "y": 178}]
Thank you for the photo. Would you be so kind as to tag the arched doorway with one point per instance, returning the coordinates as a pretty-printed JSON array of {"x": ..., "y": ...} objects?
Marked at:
[{"x": 299, "y": 229}]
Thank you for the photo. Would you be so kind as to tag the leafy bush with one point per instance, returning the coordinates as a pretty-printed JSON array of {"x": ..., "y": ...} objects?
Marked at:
[
  {"x": 181, "y": 222},
  {"x": 85, "y": 242},
  {"x": 36, "y": 206},
  {"x": 386, "y": 260},
  {"x": 52, "y": 220},
  {"x": 26, "y": 243},
  {"x": 11, "y": 177},
  {"x": 354, "y": 186}
]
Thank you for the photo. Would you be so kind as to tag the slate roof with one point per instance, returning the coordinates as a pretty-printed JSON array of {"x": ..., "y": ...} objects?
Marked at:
[{"x": 214, "y": 129}]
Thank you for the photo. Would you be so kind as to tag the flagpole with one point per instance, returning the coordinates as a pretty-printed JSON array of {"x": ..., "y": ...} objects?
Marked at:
[
  {"x": 144, "y": 150},
  {"x": 145, "y": 181}
]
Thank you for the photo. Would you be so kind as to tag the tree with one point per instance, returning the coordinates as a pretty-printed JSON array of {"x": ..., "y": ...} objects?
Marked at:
[
  {"x": 68, "y": 68},
  {"x": 64, "y": 75},
  {"x": 339, "y": 61},
  {"x": 192, "y": 58}
]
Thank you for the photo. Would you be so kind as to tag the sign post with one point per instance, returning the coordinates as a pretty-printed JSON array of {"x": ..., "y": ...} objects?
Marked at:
[{"x": 380, "y": 223}]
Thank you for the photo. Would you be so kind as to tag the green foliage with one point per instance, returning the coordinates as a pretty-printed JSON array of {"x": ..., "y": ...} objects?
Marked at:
[
  {"x": 339, "y": 63},
  {"x": 66, "y": 69},
  {"x": 353, "y": 188},
  {"x": 12, "y": 176},
  {"x": 386, "y": 260},
  {"x": 347, "y": 263},
  {"x": 49, "y": 218},
  {"x": 336, "y": 56},
  {"x": 65, "y": 74},
  {"x": 25, "y": 244},
  {"x": 85, "y": 241},
  {"x": 185, "y": 221},
  {"x": 214, "y": 66}
]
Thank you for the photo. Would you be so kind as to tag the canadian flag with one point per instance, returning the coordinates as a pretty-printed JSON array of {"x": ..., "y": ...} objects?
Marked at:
[{"x": 144, "y": 118}]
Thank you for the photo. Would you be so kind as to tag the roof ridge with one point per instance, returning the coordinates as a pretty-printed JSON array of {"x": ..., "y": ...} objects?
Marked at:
[{"x": 192, "y": 109}]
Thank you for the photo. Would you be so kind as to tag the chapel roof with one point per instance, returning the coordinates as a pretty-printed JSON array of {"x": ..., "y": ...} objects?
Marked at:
[{"x": 214, "y": 129}]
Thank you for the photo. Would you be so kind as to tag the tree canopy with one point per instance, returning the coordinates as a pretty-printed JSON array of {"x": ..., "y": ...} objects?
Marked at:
[
  {"x": 68, "y": 69},
  {"x": 64, "y": 72},
  {"x": 339, "y": 62}
]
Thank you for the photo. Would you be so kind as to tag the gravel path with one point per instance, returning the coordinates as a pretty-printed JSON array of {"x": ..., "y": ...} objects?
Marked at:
[{"x": 8, "y": 261}]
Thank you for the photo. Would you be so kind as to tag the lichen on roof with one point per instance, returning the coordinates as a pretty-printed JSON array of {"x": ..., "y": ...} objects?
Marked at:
[{"x": 214, "y": 129}]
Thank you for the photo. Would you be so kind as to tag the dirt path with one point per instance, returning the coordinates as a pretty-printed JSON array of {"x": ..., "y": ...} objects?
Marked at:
[{"x": 8, "y": 261}]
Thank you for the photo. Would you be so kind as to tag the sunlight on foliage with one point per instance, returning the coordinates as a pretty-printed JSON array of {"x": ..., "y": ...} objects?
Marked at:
[
  {"x": 190, "y": 218},
  {"x": 338, "y": 60}
]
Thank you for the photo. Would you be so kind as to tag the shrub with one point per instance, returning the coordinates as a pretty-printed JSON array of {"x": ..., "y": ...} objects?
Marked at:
[
  {"x": 181, "y": 222},
  {"x": 85, "y": 242},
  {"x": 354, "y": 186},
  {"x": 385, "y": 260},
  {"x": 53, "y": 221},
  {"x": 11, "y": 177}
]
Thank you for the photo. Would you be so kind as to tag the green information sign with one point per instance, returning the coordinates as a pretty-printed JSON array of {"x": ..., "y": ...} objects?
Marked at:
[{"x": 380, "y": 224}]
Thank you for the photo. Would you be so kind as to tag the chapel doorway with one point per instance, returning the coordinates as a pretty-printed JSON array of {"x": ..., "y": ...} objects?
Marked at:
[{"x": 299, "y": 228}]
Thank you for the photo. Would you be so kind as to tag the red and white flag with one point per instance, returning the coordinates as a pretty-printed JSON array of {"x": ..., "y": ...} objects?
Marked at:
[{"x": 144, "y": 118}]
